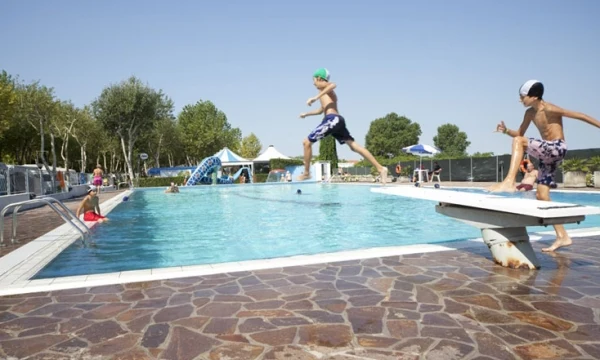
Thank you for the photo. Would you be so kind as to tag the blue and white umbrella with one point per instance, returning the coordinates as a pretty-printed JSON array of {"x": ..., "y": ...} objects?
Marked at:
[{"x": 421, "y": 150}]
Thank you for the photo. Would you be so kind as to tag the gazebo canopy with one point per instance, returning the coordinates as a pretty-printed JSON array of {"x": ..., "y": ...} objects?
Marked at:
[
  {"x": 270, "y": 153},
  {"x": 229, "y": 158}
]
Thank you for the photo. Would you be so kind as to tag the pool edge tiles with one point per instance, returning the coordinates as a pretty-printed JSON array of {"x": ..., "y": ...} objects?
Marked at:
[
  {"x": 18, "y": 266},
  {"x": 133, "y": 276}
]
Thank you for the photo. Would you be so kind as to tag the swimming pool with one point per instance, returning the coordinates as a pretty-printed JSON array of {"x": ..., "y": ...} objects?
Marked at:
[{"x": 214, "y": 224}]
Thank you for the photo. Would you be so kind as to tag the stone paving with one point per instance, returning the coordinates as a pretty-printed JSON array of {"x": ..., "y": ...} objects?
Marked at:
[{"x": 445, "y": 305}]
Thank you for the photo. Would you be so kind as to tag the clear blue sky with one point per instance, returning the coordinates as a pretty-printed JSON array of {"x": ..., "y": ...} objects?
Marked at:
[{"x": 435, "y": 61}]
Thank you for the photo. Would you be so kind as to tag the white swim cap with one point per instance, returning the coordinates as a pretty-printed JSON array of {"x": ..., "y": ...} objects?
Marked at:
[{"x": 532, "y": 88}]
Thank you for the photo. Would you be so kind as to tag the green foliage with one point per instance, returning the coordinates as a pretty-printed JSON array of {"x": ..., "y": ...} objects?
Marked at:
[
  {"x": 483, "y": 155},
  {"x": 250, "y": 147},
  {"x": 328, "y": 151},
  {"x": 451, "y": 141},
  {"x": 574, "y": 164},
  {"x": 260, "y": 178},
  {"x": 594, "y": 163},
  {"x": 589, "y": 180},
  {"x": 205, "y": 130},
  {"x": 389, "y": 134},
  {"x": 8, "y": 101},
  {"x": 282, "y": 163},
  {"x": 160, "y": 181},
  {"x": 128, "y": 109}
]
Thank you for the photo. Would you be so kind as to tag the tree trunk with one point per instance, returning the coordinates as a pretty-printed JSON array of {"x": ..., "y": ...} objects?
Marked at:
[
  {"x": 157, "y": 154},
  {"x": 104, "y": 158},
  {"x": 83, "y": 157},
  {"x": 43, "y": 156},
  {"x": 64, "y": 154},
  {"x": 127, "y": 156},
  {"x": 170, "y": 157}
]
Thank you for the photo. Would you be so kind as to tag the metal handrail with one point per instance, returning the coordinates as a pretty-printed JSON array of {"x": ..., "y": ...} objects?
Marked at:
[
  {"x": 121, "y": 183},
  {"x": 47, "y": 201}
]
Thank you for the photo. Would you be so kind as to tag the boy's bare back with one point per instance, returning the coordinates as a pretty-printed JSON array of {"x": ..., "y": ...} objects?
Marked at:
[{"x": 548, "y": 120}]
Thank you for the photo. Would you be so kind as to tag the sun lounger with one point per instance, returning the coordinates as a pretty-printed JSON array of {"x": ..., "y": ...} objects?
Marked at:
[{"x": 502, "y": 220}]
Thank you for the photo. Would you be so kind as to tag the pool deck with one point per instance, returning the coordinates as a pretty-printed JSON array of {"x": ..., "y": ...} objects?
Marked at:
[{"x": 452, "y": 304}]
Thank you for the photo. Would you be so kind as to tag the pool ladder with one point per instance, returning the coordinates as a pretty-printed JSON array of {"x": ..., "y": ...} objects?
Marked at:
[{"x": 69, "y": 217}]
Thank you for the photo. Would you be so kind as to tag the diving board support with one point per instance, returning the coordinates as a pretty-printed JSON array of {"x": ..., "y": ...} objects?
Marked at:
[{"x": 502, "y": 220}]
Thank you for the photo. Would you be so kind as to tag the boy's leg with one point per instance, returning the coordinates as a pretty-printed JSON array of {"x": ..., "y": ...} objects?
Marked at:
[
  {"x": 519, "y": 145},
  {"x": 562, "y": 238},
  {"x": 383, "y": 171},
  {"x": 307, "y": 157}
]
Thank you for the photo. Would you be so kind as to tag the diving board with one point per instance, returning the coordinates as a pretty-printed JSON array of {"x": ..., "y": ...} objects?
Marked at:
[{"x": 502, "y": 220}]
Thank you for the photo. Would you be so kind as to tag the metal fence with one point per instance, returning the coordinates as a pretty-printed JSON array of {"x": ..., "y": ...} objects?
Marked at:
[
  {"x": 22, "y": 179},
  {"x": 477, "y": 169}
]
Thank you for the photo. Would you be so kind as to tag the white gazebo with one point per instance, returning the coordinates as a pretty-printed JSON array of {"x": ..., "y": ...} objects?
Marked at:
[
  {"x": 270, "y": 153},
  {"x": 229, "y": 158}
]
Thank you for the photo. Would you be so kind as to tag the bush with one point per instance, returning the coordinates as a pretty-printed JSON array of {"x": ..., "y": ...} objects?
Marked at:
[
  {"x": 574, "y": 164},
  {"x": 160, "y": 181},
  {"x": 260, "y": 178},
  {"x": 282, "y": 163}
]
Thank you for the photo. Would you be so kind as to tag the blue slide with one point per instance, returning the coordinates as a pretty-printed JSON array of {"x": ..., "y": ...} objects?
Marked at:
[
  {"x": 202, "y": 172},
  {"x": 247, "y": 174},
  {"x": 209, "y": 165}
]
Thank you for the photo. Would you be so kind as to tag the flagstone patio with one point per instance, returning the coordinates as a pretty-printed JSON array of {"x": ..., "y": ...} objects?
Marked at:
[{"x": 447, "y": 305}]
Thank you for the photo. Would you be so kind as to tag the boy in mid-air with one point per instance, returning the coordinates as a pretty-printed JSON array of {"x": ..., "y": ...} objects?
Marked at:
[
  {"x": 550, "y": 150},
  {"x": 332, "y": 124}
]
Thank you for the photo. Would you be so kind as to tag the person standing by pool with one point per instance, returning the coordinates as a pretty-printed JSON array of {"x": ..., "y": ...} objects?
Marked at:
[
  {"x": 90, "y": 205},
  {"x": 550, "y": 150},
  {"x": 98, "y": 177},
  {"x": 332, "y": 124}
]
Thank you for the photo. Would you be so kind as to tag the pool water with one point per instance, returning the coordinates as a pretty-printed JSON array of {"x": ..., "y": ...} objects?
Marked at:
[{"x": 214, "y": 224}]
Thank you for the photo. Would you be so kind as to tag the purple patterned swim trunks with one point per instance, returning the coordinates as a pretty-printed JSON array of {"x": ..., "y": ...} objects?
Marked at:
[{"x": 550, "y": 154}]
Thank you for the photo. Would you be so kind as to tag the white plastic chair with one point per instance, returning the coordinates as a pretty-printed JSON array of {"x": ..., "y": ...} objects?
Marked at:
[{"x": 434, "y": 175}]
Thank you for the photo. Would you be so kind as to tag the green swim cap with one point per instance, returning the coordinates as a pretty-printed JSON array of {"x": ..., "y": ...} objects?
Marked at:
[{"x": 322, "y": 73}]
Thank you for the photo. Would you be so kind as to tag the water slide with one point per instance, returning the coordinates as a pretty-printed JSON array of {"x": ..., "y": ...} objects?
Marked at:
[
  {"x": 239, "y": 172},
  {"x": 202, "y": 172},
  {"x": 209, "y": 165}
]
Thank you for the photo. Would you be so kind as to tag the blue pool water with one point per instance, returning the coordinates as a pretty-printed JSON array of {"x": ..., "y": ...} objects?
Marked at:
[{"x": 213, "y": 224}]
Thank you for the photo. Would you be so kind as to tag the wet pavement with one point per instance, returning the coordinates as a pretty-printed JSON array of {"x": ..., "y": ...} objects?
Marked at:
[{"x": 445, "y": 305}]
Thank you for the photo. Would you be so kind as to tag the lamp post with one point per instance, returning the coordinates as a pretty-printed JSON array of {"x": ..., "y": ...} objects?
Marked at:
[
  {"x": 40, "y": 166},
  {"x": 141, "y": 156}
]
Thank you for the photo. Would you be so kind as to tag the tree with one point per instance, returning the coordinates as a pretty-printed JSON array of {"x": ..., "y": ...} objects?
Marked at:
[
  {"x": 328, "y": 151},
  {"x": 163, "y": 136},
  {"x": 451, "y": 141},
  {"x": 39, "y": 107},
  {"x": 128, "y": 109},
  {"x": 8, "y": 100},
  {"x": 250, "y": 147},
  {"x": 205, "y": 130},
  {"x": 483, "y": 155},
  {"x": 389, "y": 134}
]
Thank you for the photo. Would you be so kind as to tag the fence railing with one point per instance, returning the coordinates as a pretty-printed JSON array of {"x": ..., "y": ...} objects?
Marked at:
[
  {"x": 477, "y": 169},
  {"x": 20, "y": 179}
]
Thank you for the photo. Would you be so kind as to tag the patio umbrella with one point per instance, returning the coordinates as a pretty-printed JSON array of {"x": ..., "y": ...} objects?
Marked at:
[{"x": 421, "y": 150}]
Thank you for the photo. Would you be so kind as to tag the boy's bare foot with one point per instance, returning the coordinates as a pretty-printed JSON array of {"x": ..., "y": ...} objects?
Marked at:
[
  {"x": 560, "y": 242},
  {"x": 383, "y": 174},
  {"x": 503, "y": 187},
  {"x": 304, "y": 176}
]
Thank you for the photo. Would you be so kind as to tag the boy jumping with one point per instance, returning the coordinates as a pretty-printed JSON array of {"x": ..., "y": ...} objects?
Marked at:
[
  {"x": 550, "y": 150},
  {"x": 332, "y": 124}
]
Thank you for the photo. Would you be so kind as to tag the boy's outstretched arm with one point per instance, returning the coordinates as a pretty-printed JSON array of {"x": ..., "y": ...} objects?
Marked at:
[
  {"x": 311, "y": 113},
  {"x": 327, "y": 89},
  {"x": 577, "y": 115}
]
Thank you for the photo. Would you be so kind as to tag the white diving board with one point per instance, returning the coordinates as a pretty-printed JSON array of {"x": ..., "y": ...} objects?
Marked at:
[{"x": 502, "y": 220}]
